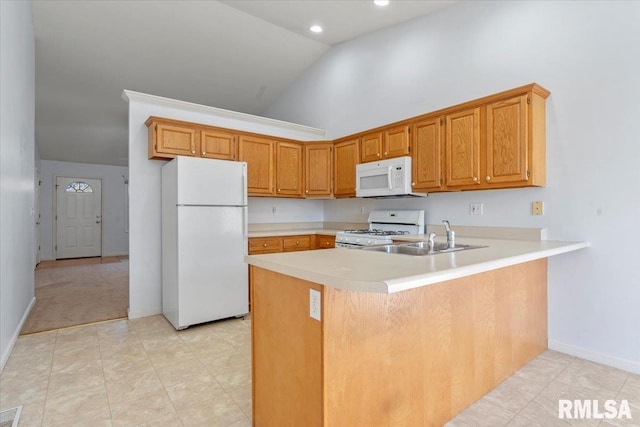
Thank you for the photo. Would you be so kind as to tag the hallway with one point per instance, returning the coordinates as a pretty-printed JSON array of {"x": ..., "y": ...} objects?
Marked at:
[{"x": 79, "y": 291}]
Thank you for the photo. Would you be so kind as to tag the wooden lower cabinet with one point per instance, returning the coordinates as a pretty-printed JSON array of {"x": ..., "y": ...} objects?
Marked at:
[
  {"x": 275, "y": 244},
  {"x": 413, "y": 358},
  {"x": 324, "y": 241}
]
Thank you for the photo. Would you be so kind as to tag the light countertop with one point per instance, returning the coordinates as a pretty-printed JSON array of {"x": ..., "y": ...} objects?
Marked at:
[{"x": 370, "y": 271}]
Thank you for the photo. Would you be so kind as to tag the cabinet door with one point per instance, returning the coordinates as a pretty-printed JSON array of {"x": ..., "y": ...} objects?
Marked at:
[
  {"x": 318, "y": 159},
  {"x": 218, "y": 145},
  {"x": 289, "y": 169},
  {"x": 325, "y": 241},
  {"x": 258, "y": 153},
  {"x": 396, "y": 142},
  {"x": 462, "y": 148},
  {"x": 174, "y": 139},
  {"x": 345, "y": 159},
  {"x": 371, "y": 147},
  {"x": 507, "y": 145},
  {"x": 427, "y": 154}
]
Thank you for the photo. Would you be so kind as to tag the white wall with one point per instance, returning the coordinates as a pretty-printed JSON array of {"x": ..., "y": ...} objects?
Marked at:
[
  {"x": 145, "y": 286},
  {"x": 280, "y": 210},
  {"x": 115, "y": 241},
  {"x": 585, "y": 53},
  {"x": 17, "y": 158}
]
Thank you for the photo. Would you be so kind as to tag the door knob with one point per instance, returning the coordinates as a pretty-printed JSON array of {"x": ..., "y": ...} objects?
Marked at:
[
  {"x": 488, "y": 178},
  {"x": 475, "y": 179}
]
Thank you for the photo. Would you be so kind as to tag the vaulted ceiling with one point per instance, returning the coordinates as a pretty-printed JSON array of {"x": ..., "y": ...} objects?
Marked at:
[{"x": 232, "y": 54}]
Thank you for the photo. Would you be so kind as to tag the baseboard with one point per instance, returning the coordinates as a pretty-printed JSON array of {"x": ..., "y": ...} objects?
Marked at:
[
  {"x": 16, "y": 334},
  {"x": 605, "y": 359},
  {"x": 116, "y": 254},
  {"x": 143, "y": 313}
]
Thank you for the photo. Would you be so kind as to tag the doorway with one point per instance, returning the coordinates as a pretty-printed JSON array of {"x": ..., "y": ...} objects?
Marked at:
[{"x": 78, "y": 217}]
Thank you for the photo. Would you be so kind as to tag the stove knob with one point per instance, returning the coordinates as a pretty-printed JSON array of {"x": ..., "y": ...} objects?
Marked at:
[
  {"x": 357, "y": 240},
  {"x": 370, "y": 242}
]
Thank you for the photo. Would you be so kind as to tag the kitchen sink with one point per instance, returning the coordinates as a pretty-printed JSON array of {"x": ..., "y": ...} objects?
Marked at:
[{"x": 420, "y": 248}]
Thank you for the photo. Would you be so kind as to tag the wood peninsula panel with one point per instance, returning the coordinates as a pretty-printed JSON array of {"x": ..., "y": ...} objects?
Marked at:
[
  {"x": 413, "y": 358},
  {"x": 286, "y": 352}
]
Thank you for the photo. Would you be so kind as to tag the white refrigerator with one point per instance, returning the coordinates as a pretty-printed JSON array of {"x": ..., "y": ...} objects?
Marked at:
[{"x": 204, "y": 240}]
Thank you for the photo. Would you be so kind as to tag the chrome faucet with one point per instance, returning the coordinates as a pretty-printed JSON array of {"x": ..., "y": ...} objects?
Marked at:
[
  {"x": 431, "y": 242},
  {"x": 451, "y": 235}
]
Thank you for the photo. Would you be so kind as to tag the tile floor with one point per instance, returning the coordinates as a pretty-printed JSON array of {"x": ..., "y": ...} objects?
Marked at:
[{"x": 144, "y": 373}]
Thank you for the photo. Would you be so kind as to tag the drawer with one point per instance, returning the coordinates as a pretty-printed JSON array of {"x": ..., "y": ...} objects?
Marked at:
[
  {"x": 325, "y": 242},
  {"x": 265, "y": 244},
  {"x": 296, "y": 243}
]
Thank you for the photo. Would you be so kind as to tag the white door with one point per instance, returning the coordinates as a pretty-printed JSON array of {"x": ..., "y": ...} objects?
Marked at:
[
  {"x": 78, "y": 217},
  {"x": 36, "y": 214}
]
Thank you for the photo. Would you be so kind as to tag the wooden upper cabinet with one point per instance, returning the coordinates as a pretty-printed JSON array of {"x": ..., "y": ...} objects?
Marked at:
[
  {"x": 259, "y": 155},
  {"x": 396, "y": 142},
  {"x": 345, "y": 159},
  {"x": 507, "y": 142},
  {"x": 427, "y": 154},
  {"x": 318, "y": 170},
  {"x": 371, "y": 148},
  {"x": 462, "y": 148},
  {"x": 167, "y": 140},
  {"x": 216, "y": 144},
  {"x": 289, "y": 177}
]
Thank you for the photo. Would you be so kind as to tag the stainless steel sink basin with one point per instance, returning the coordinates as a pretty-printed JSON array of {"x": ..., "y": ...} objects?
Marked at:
[{"x": 420, "y": 248}]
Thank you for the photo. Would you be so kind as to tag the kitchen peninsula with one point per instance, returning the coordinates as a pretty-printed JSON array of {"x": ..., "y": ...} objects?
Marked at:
[{"x": 402, "y": 340}]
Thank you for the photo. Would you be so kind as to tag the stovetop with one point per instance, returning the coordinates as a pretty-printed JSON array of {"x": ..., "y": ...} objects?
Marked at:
[{"x": 376, "y": 232}]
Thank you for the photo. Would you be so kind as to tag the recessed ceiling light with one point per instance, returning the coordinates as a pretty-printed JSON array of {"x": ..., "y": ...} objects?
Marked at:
[
  {"x": 316, "y": 28},
  {"x": 381, "y": 2}
]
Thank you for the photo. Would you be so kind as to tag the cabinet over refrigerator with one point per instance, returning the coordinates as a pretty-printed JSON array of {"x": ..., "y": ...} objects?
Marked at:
[{"x": 204, "y": 240}]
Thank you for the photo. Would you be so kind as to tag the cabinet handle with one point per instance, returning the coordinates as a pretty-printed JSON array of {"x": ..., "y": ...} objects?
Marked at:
[
  {"x": 413, "y": 184},
  {"x": 385, "y": 153},
  {"x": 488, "y": 178},
  {"x": 475, "y": 179},
  {"x": 264, "y": 245},
  {"x": 278, "y": 190},
  {"x": 297, "y": 243},
  {"x": 193, "y": 151},
  {"x": 378, "y": 154},
  {"x": 307, "y": 191},
  {"x": 204, "y": 152}
]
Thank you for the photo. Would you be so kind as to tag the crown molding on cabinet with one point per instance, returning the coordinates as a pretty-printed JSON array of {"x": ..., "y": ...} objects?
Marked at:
[{"x": 313, "y": 133}]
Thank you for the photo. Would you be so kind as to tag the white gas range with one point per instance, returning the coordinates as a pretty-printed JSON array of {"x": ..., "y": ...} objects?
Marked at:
[{"x": 383, "y": 225}]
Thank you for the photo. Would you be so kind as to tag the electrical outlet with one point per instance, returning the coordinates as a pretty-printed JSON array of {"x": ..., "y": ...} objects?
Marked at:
[
  {"x": 314, "y": 304},
  {"x": 475, "y": 208},
  {"x": 537, "y": 208},
  {"x": 273, "y": 209},
  {"x": 361, "y": 209}
]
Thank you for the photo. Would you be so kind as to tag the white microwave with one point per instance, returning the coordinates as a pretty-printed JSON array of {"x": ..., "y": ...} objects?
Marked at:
[{"x": 386, "y": 178}]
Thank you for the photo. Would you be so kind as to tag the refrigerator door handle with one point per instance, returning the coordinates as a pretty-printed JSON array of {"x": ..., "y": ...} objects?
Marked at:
[
  {"x": 244, "y": 183},
  {"x": 245, "y": 222}
]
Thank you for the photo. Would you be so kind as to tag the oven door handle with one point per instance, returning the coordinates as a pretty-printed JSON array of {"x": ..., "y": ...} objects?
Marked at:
[{"x": 389, "y": 177}]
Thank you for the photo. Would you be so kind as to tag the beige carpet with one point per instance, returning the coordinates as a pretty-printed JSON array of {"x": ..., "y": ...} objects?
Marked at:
[{"x": 77, "y": 292}]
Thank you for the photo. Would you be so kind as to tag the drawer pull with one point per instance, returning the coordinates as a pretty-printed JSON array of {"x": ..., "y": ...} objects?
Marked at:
[{"x": 264, "y": 245}]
